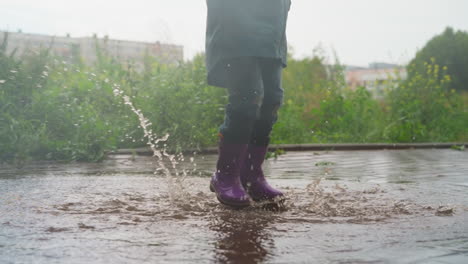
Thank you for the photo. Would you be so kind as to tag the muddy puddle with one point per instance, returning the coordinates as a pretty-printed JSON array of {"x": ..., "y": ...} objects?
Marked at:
[{"x": 405, "y": 206}]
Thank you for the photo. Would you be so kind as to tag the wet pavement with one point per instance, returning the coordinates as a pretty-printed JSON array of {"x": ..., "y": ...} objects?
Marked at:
[{"x": 387, "y": 206}]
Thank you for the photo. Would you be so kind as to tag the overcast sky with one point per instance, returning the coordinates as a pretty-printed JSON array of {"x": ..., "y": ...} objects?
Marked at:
[{"x": 360, "y": 31}]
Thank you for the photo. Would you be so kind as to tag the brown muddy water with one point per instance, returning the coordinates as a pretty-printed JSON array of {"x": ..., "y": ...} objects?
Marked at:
[{"x": 400, "y": 206}]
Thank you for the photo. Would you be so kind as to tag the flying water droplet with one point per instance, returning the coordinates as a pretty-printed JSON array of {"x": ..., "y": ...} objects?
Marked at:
[{"x": 176, "y": 186}]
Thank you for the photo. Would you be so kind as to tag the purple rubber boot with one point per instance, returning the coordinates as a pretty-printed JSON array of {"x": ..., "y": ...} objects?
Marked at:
[
  {"x": 253, "y": 179},
  {"x": 226, "y": 180}
]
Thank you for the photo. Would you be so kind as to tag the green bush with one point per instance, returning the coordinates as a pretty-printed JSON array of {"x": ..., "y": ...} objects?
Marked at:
[
  {"x": 178, "y": 102},
  {"x": 449, "y": 49},
  {"x": 423, "y": 109},
  {"x": 51, "y": 109}
]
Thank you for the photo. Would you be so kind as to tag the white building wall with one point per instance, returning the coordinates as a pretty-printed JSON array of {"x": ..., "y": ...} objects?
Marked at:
[
  {"x": 375, "y": 80},
  {"x": 122, "y": 50}
]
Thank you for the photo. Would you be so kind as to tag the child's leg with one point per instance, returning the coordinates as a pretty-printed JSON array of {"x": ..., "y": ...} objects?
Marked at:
[
  {"x": 245, "y": 88},
  {"x": 273, "y": 99},
  {"x": 252, "y": 176}
]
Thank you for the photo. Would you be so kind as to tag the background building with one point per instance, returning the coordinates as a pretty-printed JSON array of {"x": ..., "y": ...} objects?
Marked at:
[
  {"x": 376, "y": 77},
  {"x": 85, "y": 48}
]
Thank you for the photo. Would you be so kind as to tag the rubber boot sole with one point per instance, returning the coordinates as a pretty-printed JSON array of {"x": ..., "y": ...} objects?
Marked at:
[{"x": 235, "y": 205}]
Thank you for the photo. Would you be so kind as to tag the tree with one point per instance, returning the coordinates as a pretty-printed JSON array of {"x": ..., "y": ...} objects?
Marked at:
[{"x": 449, "y": 49}]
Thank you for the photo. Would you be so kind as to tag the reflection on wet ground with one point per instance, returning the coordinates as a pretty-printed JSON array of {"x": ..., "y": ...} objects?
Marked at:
[{"x": 400, "y": 206}]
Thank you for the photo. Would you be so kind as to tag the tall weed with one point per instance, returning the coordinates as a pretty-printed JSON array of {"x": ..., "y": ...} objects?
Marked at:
[{"x": 51, "y": 108}]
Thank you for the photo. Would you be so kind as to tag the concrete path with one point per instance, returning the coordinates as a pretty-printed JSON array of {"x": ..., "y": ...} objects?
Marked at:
[{"x": 379, "y": 206}]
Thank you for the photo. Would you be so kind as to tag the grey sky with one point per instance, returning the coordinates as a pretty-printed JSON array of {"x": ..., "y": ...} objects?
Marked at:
[{"x": 360, "y": 31}]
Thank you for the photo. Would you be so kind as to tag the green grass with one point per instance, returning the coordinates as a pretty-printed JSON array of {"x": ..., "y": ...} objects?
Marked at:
[{"x": 54, "y": 110}]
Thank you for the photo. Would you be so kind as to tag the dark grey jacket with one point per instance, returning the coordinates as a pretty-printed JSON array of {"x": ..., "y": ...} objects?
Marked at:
[{"x": 237, "y": 28}]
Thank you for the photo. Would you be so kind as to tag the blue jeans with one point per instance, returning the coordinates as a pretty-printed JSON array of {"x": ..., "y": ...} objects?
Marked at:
[{"x": 255, "y": 96}]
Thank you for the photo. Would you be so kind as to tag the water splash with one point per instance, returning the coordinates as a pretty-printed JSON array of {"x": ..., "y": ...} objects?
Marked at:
[
  {"x": 340, "y": 203},
  {"x": 176, "y": 188}
]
